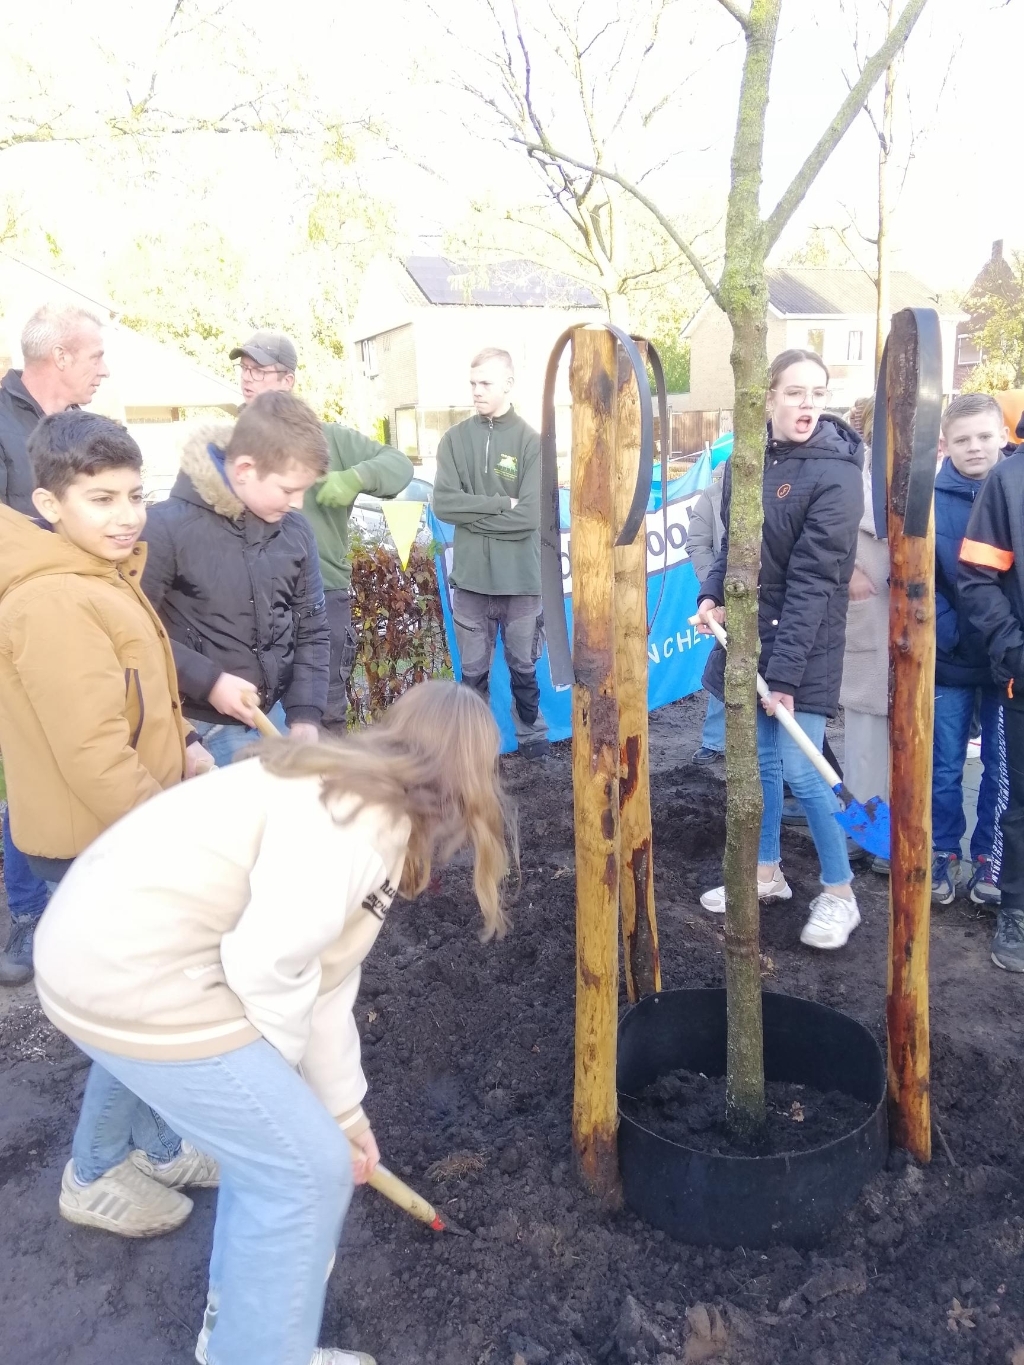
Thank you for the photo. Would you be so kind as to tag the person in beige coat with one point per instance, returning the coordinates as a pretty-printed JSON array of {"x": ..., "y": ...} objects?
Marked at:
[
  {"x": 206, "y": 951},
  {"x": 865, "y": 691}
]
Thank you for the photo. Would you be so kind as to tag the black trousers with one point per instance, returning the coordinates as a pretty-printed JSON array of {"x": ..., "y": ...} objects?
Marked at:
[
  {"x": 1011, "y": 878},
  {"x": 343, "y": 654}
]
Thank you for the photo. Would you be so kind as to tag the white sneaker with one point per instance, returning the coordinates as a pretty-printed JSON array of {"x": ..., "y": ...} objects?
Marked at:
[
  {"x": 323, "y": 1355},
  {"x": 778, "y": 889},
  {"x": 189, "y": 1167},
  {"x": 832, "y": 920},
  {"x": 124, "y": 1201}
]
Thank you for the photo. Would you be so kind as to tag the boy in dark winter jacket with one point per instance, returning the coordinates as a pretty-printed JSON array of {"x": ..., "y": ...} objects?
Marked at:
[
  {"x": 234, "y": 573},
  {"x": 991, "y": 588},
  {"x": 972, "y": 434}
]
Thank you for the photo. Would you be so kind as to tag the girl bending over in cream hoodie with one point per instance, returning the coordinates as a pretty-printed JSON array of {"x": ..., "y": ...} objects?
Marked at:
[{"x": 206, "y": 950}]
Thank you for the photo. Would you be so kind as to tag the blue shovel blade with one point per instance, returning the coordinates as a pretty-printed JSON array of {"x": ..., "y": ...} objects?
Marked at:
[{"x": 867, "y": 824}]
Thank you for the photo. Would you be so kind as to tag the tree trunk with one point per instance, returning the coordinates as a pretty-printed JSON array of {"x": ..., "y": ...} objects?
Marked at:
[
  {"x": 911, "y": 714},
  {"x": 884, "y": 305},
  {"x": 639, "y": 923},
  {"x": 744, "y": 292},
  {"x": 593, "y": 376}
]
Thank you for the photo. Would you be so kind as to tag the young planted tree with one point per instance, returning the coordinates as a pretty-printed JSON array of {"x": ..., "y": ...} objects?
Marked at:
[{"x": 740, "y": 290}]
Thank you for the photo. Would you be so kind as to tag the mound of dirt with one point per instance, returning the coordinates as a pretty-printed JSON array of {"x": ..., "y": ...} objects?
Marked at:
[{"x": 468, "y": 1050}]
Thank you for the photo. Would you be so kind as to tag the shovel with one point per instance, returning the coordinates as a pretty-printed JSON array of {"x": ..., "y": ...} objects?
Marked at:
[
  {"x": 866, "y": 823},
  {"x": 382, "y": 1180}
]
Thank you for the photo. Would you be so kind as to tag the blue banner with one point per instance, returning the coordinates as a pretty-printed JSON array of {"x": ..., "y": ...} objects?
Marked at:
[{"x": 676, "y": 653}]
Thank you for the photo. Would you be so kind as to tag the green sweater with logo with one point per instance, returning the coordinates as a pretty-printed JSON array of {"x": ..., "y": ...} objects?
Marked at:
[
  {"x": 384, "y": 472},
  {"x": 482, "y": 465}
]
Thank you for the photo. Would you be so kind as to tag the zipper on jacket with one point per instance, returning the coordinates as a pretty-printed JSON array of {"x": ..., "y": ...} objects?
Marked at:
[
  {"x": 487, "y": 447},
  {"x": 129, "y": 674}
]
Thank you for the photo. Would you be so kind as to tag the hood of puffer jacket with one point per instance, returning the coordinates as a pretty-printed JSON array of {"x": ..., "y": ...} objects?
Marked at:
[
  {"x": 27, "y": 551},
  {"x": 832, "y": 439},
  {"x": 201, "y": 480}
]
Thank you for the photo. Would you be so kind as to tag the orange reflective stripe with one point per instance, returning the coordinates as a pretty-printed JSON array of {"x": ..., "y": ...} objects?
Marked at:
[{"x": 987, "y": 556}]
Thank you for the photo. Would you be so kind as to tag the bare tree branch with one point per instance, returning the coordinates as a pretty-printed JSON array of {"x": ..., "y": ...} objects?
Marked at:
[
  {"x": 840, "y": 124},
  {"x": 660, "y": 218},
  {"x": 741, "y": 15}
]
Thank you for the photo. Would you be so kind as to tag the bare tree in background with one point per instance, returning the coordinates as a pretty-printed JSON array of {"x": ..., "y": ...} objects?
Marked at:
[
  {"x": 539, "y": 61},
  {"x": 882, "y": 120},
  {"x": 199, "y": 77},
  {"x": 740, "y": 289}
]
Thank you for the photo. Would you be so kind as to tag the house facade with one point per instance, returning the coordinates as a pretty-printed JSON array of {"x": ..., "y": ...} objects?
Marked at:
[
  {"x": 831, "y": 312},
  {"x": 420, "y": 322}
]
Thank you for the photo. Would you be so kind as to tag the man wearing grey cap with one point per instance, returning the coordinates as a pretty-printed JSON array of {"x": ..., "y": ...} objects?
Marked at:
[
  {"x": 357, "y": 464},
  {"x": 269, "y": 361}
]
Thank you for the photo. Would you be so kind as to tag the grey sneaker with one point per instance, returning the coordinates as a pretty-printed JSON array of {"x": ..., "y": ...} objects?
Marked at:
[
  {"x": 704, "y": 756},
  {"x": 1008, "y": 940},
  {"x": 123, "y": 1200},
  {"x": 982, "y": 886},
  {"x": 16, "y": 959},
  {"x": 778, "y": 889},
  {"x": 945, "y": 875},
  {"x": 189, "y": 1167}
]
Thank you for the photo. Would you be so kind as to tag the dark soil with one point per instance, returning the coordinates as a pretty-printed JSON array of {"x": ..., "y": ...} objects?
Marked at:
[
  {"x": 469, "y": 1054},
  {"x": 689, "y": 1108}
]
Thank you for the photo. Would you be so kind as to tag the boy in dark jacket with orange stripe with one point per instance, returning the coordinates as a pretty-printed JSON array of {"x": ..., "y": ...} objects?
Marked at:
[
  {"x": 991, "y": 588},
  {"x": 972, "y": 432}
]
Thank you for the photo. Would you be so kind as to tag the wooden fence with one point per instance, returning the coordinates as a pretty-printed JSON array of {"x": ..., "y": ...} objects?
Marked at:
[{"x": 691, "y": 431}]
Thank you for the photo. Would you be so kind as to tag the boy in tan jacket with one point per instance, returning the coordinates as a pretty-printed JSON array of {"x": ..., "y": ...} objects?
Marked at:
[{"x": 90, "y": 727}]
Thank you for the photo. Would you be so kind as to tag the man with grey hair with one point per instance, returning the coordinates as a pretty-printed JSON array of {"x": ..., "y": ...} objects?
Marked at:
[
  {"x": 63, "y": 353},
  {"x": 488, "y": 486}
]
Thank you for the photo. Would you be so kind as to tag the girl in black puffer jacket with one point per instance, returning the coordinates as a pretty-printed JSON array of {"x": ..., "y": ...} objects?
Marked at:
[{"x": 813, "y": 501}]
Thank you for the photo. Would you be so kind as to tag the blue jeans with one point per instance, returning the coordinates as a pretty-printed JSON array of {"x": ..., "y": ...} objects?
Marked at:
[
  {"x": 285, "y": 1185},
  {"x": 954, "y": 708},
  {"x": 26, "y": 894},
  {"x": 114, "y": 1122},
  {"x": 225, "y": 740},
  {"x": 713, "y": 736},
  {"x": 779, "y": 760}
]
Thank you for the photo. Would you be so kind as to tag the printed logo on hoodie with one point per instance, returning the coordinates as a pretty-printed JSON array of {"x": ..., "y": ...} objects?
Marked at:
[
  {"x": 508, "y": 466},
  {"x": 379, "y": 902}
]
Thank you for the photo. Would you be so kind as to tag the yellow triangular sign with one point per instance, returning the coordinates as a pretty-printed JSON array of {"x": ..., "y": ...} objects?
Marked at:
[{"x": 403, "y": 519}]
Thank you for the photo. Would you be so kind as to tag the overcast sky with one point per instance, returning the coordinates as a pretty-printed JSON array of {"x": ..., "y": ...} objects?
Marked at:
[{"x": 964, "y": 187}]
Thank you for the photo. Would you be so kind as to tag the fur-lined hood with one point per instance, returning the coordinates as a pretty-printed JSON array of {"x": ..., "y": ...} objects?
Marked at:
[{"x": 199, "y": 470}]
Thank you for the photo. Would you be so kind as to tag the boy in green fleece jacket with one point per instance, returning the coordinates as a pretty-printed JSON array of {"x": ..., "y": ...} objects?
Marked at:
[
  {"x": 357, "y": 465},
  {"x": 488, "y": 486}
]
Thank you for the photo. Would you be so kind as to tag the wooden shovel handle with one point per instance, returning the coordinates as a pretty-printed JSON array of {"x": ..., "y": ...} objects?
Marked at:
[
  {"x": 389, "y": 1185},
  {"x": 264, "y": 724},
  {"x": 784, "y": 717}
]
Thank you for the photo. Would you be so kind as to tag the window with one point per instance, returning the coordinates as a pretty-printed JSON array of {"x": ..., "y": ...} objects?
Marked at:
[
  {"x": 816, "y": 341},
  {"x": 968, "y": 352},
  {"x": 369, "y": 351},
  {"x": 855, "y": 346}
]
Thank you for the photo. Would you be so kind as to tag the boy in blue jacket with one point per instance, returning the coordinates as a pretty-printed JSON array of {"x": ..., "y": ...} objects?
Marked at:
[{"x": 972, "y": 434}]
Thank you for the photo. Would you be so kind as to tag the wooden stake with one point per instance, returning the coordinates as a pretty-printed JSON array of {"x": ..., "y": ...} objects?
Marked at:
[
  {"x": 595, "y": 761},
  {"x": 911, "y": 710},
  {"x": 639, "y": 922}
]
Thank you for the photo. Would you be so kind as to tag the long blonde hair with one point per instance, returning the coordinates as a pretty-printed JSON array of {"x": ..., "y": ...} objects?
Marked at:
[{"x": 434, "y": 758}]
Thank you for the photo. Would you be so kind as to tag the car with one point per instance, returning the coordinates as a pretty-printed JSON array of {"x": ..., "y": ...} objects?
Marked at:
[
  {"x": 368, "y": 514},
  {"x": 157, "y": 488}
]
